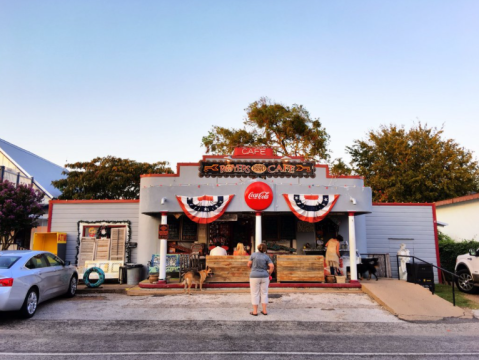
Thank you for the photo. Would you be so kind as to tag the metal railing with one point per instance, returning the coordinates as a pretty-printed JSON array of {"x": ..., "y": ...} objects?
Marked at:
[
  {"x": 437, "y": 267},
  {"x": 14, "y": 177}
]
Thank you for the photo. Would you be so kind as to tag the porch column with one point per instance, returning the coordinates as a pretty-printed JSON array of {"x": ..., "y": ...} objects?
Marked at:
[
  {"x": 352, "y": 248},
  {"x": 163, "y": 249},
  {"x": 257, "y": 238}
]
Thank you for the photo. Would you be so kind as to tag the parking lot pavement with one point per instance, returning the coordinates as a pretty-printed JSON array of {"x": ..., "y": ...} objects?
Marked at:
[{"x": 303, "y": 307}]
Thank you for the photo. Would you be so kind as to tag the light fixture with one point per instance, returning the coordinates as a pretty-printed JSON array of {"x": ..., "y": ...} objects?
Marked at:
[
  {"x": 163, "y": 200},
  {"x": 228, "y": 158},
  {"x": 353, "y": 200},
  {"x": 285, "y": 159}
]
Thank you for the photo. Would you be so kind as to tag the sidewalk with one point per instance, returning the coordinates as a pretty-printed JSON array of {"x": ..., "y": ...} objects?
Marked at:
[{"x": 407, "y": 301}]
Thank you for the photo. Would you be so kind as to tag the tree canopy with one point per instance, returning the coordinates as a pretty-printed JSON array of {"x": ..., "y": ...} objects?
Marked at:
[
  {"x": 289, "y": 130},
  {"x": 106, "y": 178},
  {"x": 20, "y": 207},
  {"x": 413, "y": 166}
]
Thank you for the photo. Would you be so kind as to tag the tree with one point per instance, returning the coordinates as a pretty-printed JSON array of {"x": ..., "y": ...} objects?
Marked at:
[
  {"x": 339, "y": 168},
  {"x": 413, "y": 166},
  {"x": 290, "y": 130},
  {"x": 20, "y": 207},
  {"x": 106, "y": 178}
]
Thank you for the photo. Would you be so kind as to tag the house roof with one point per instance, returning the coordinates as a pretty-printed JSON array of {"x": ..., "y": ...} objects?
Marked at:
[
  {"x": 42, "y": 170},
  {"x": 457, "y": 200}
]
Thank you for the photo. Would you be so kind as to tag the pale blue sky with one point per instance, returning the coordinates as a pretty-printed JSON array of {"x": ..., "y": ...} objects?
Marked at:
[{"x": 146, "y": 80}]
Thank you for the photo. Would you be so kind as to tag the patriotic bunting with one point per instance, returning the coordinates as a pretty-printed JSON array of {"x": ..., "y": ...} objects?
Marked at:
[
  {"x": 204, "y": 209},
  {"x": 310, "y": 208}
]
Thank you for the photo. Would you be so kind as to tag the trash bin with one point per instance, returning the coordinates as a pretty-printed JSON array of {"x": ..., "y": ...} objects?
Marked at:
[
  {"x": 133, "y": 273},
  {"x": 421, "y": 274}
]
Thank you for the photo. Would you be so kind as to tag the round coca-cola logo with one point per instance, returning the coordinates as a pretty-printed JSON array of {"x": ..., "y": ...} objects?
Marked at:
[{"x": 258, "y": 196}]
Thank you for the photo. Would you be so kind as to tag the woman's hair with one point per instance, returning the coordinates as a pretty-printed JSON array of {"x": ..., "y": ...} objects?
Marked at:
[
  {"x": 339, "y": 238},
  {"x": 262, "y": 248},
  {"x": 240, "y": 248}
]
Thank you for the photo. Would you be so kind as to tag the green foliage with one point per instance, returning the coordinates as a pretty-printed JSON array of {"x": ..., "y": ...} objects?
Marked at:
[
  {"x": 20, "y": 207},
  {"x": 450, "y": 249},
  {"x": 414, "y": 166},
  {"x": 106, "y": 178},
  {"x": 289, "y": 130},
  {"x": 339, "y": 168}
]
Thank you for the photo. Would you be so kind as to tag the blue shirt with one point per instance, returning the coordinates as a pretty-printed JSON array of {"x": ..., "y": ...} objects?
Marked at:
[{"x": 259, "y": 268}]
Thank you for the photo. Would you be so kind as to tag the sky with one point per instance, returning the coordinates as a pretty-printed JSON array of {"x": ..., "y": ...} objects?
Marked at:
[{"x": 146, "y": 80}]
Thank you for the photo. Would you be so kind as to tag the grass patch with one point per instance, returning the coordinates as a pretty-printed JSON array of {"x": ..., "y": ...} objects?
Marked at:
[{"x": 445, "y": 292}]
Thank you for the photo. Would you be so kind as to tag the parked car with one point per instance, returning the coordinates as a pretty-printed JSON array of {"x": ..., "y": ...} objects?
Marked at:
[
  {"x": 467, "y": 270},
  {"x": 28, "y": 278}
]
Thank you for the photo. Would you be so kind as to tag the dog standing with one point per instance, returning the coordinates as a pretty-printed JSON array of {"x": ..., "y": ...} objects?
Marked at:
[
  {"x": 196, "y": 277},
  {"x": 369, "y": 265}
]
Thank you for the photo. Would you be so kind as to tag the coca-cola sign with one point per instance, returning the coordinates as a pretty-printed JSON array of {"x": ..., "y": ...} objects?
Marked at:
[{"x": 258, "y": 196}]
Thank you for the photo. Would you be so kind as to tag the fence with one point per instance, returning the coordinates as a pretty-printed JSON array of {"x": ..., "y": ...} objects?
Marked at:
[
  {"x": 14, "y": 177},
  {"x": 384, "y": 262}
]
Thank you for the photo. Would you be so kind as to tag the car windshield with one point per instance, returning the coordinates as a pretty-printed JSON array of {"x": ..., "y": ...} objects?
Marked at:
[{"x": 6, "y": 261}]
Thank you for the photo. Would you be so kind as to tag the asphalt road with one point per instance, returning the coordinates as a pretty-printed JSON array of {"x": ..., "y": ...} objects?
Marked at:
[{"x": 56, "y": 332}]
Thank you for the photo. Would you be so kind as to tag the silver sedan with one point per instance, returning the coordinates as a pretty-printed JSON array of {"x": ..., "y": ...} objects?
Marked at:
[{"x": 29, "y": 277}]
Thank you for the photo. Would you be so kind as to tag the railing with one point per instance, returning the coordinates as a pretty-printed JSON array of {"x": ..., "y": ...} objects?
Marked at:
[
  {"x": 437, "y": 267},
  {"x": 14, "y": 176}
]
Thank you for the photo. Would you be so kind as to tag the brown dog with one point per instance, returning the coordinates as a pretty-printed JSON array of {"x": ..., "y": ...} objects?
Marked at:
[{"x": 196, "y": 277}]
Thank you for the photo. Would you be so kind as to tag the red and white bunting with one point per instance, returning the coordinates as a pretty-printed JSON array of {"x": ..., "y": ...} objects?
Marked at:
[
  {"x": 204, "y": 209},
  {"x": 311, "y": 208}
]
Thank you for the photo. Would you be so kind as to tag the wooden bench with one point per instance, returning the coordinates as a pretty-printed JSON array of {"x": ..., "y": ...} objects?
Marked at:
[{"x": 228, "y": 268}]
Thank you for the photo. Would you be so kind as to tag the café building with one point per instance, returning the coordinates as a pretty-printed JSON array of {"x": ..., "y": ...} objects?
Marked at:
[{"x": 251, "y": 196}]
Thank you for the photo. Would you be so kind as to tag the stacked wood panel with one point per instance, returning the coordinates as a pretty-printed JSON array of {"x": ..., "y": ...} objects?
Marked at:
[
  {"x": 228, "y": 268},
  {"x": 86, "y": 252},
  {"x": 300, "y": 268},
  {"x": 102, "y": 249},
  {"x": 118, "y": 243}
]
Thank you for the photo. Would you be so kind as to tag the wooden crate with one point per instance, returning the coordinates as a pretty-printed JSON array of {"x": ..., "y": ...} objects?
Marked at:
[
  {"x": 300, "y": 268},
  {"x": 228, "y": 268}
]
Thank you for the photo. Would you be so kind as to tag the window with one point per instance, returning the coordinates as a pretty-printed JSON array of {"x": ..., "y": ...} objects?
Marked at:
[
  {"x": 6, "y": 262},
  {"x": 53, "y": 260},
  {"x": 37, "y": 262}
]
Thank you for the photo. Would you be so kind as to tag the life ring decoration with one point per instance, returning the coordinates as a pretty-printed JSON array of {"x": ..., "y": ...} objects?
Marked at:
[
  {"x": 310, "y": 207},
  {"x": 204, "y": 209},
  {"x": 101, "y": 277}
]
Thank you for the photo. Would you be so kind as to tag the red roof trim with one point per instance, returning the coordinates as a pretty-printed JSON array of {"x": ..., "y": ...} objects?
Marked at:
[
  {"x": 457, "y": 200},
  {"x": 403, "y": 204},
  {"x": 90, "y": 201}
]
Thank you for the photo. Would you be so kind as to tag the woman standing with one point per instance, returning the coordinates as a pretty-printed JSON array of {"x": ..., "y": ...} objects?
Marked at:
[
  {"x": 333, "y": 255},
  {"x": 261, "y": 269}
]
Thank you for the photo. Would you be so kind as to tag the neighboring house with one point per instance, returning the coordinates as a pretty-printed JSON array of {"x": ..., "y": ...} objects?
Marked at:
[
  {"x": 20, "y": 166},
  {"x": 460, "y": 216}
]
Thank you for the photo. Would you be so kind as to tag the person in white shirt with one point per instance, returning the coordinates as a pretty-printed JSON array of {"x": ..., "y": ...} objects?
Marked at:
[{"x": 218, "y": 251}]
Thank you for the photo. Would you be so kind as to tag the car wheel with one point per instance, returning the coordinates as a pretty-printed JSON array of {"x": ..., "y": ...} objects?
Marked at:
[
  {"x": 30, "y": 304},
  {"x": 464, "y": 282},
  {"x": 72, "y": 287}
]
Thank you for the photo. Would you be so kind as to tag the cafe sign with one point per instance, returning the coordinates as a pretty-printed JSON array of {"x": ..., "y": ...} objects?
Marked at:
[{"x": 255, "y": 169}]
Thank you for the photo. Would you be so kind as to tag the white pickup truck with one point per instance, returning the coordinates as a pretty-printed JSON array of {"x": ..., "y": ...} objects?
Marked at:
[{"x": 467, "y": 270}]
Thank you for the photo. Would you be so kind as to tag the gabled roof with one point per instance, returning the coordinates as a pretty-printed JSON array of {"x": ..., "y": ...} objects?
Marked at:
[
  {"x": 42, "y": 171},
  {"x": 457, "y": 200}
]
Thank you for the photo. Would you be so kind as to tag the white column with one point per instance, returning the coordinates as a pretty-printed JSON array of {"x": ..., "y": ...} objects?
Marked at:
[
  {"x": 163, "y": 249},
  {"x": 352, "y": 248},
  {"x": 258, "y": 239}
]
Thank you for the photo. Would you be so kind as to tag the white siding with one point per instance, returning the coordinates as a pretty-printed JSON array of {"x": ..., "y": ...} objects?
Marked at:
[
  {"x": 461, "y": 219},
  {"x": 390, "y": 225},
  {"x": 65, "y": 217}
]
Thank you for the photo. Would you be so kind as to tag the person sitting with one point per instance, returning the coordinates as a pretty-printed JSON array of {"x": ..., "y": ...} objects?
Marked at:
[
  {"x": 218, "y": 251},
  {"x": 240, "y": 250}
]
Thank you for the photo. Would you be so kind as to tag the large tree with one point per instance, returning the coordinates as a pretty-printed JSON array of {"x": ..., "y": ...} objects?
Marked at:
[
  {"x": 106, "y": 178},
  {"x": 20, "y": 207},
  {"x": 418, "y": 165},
  {"x": 289, "y": 130}
]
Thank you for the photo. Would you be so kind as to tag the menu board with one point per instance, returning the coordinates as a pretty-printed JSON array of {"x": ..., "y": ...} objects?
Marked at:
[
  {"x": 174, "y": 228},
  {"x": 190, "y": 230},
  {"x": 270, "y": 228},
  {"x": 287, "y": 228}
]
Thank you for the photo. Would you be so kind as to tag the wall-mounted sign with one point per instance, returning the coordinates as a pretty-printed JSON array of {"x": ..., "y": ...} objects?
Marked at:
[
  {"x": 256, "y": 169},
  {"x": 163, "y": 232},
  {"x": 253, "y": 151},
  {"x": 258, "y": 196}
]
